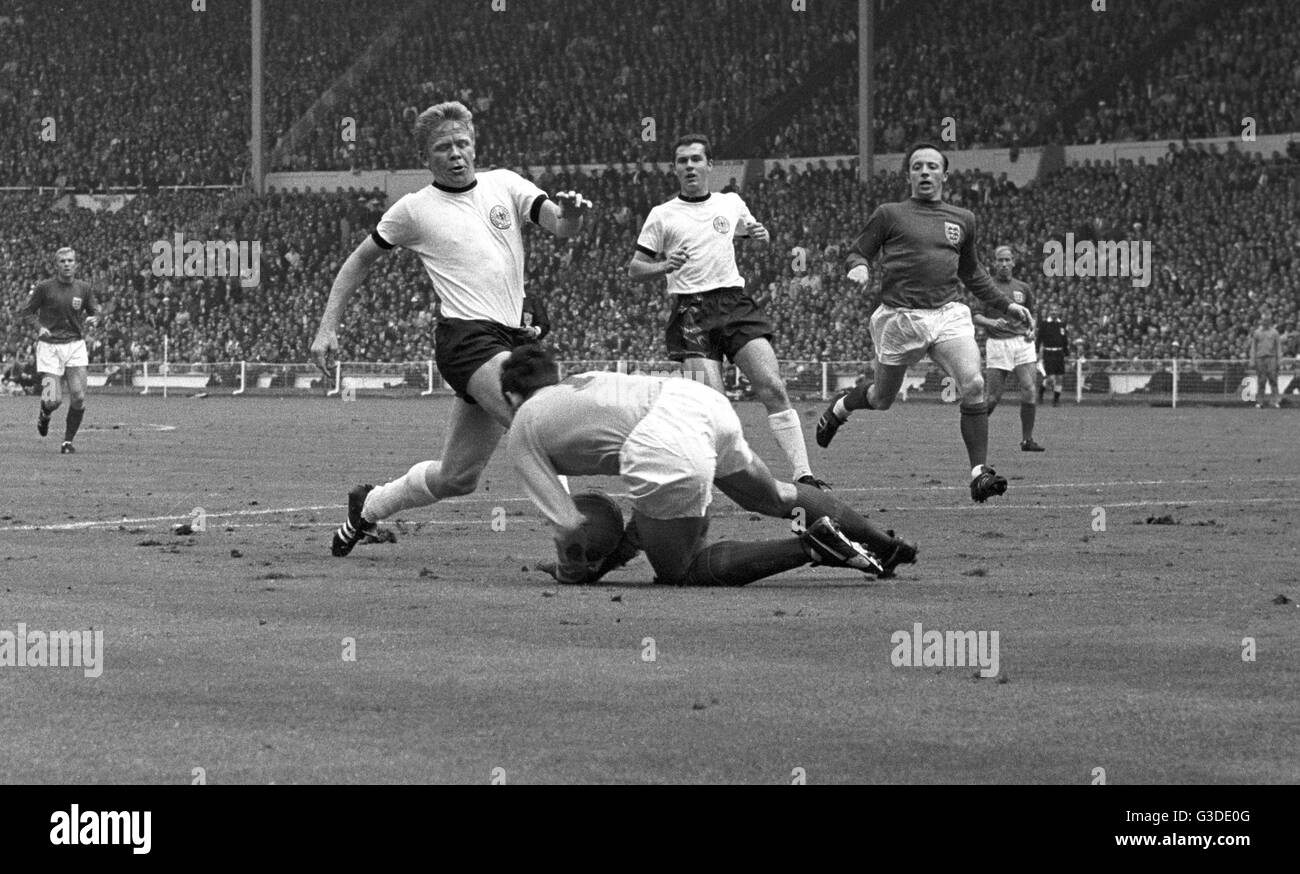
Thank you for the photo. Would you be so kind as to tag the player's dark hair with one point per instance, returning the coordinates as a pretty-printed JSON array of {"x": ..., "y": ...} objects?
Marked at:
[
  {"x": 529, "y": 368},
  {"x": 916, "y": 147},
  {"x": 691, "y": 139}
]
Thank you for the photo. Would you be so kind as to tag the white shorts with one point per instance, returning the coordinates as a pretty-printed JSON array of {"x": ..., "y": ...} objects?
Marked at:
[
  {"x": 1008, "y": 353},
  {"x": 904, "y": 336},
  {"x": 671, "y": 457},
  {"x": 54, "y": 358}
]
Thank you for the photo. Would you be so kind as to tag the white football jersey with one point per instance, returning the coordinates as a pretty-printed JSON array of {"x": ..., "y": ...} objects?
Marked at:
[
  {"x": 470, "y": 242},
  {"x": 707, "y": 229}
]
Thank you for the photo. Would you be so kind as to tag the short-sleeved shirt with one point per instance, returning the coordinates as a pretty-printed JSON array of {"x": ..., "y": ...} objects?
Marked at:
[
  {"x": 470, "y": 242},
  {"x": 62, "y": 307},
  {"x": 927, "y": 250},
  {"x": 707, "y": 226},
  {"x": 1015, "y": 291},
  {"x": 576, "y": 428}
]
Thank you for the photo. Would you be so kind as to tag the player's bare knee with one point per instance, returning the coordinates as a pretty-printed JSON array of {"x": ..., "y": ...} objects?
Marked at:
[
  {"x": 454, "y": 485},
  {"x": 972, "y": 390}
]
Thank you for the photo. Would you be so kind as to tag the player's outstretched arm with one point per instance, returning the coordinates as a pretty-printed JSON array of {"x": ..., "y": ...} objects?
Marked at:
[
  {"x": 565, "y": 215},
  {"x": 349, "y": 279}
]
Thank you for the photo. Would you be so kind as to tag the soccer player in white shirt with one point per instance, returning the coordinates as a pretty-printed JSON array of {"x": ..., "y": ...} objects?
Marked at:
[
  {"x": 670, "y": 440},
  {"x": 690, "y": 240},
  {"x": 467, "y": 230}
]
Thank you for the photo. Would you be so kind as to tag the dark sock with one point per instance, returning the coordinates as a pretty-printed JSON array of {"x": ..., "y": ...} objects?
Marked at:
[
  {"x": 1026, "y": 421},
  {"x": 816, "y": 504},
  {"x": 991, "y": 405},
  {"x": 74, "y": 422},
  {"x": 975, "y": 432},
  {"x": 1056, "y": 397},
  {"x": 46, "y": 409},
  {"x": 1041, "y": 389},
  {"x": 738, "y": 563},
  {"x": 856, "y": 399}
]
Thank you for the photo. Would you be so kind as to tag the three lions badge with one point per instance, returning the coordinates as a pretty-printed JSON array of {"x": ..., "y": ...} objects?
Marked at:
[{"x": 952, "y": 231}]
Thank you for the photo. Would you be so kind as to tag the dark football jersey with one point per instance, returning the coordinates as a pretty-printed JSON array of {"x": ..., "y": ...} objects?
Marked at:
[
  {"x": 1015, "y": 291},
  {"x": 1051, "y": 334},
  {"x": 62, "y": 307},
  {"x": 927, "y": 253}
]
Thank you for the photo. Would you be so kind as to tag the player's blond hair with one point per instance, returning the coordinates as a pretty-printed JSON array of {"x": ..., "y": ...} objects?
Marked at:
[
  {"x": 67, "y": 249},
  {"x": 437, "y": 115}
]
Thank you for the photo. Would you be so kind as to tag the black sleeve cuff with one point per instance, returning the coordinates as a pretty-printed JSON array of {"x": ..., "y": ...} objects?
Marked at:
[
  {"x": 649, "y": 253},
  {"x": 380, "y": 241},
  {"x": 536, "y": 211}
]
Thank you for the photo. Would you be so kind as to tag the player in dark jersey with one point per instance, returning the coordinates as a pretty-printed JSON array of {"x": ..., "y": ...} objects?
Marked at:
[
  {"x": 927, "y": 250},
  {"x": 1010, "y": 350},
  {"x": 1053, "y": 343},
  {"x": 62, "y": 308}
]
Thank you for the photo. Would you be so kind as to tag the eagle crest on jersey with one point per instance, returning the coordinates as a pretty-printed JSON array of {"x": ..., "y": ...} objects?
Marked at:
[
  {"x": 720, "y": 224},
  {"x": 500, "y": 217},
  {"x": 952, "y": 231}
]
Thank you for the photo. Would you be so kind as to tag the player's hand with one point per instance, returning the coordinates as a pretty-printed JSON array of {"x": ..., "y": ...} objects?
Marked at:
[
  {"x": 572, "y": 204},
  {"x": 91, "y": 321},
  {"x": 1042, "y": 371},
  {"x": 860, "y": 275},
  {"x": 676, "y": 259},
  {"x": 758, "y": 232},
  {"x": 533, "y": 331},
  {"x": 324, "y": 351},
  {"x": 43, "y": 332},
  {"x": 1020, "y": 314}
]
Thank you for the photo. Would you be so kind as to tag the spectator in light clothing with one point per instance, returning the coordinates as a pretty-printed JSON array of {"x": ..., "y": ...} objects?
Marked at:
[{"x": 1265, "y": 352}]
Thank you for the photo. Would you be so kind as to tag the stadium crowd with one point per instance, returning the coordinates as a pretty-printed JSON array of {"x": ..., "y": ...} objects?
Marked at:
[
  {"x": 151, "y": 99},
  {"x": 1222, "y": 228}
]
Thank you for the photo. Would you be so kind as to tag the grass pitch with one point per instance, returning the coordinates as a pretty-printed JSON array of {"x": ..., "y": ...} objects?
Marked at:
[{"x": 1121, "y": 645}]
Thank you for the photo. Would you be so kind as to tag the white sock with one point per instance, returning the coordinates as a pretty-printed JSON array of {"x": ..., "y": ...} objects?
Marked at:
[
  {"x": 789, "y": 435},
  {"x": 841, "y": 410},
  {"x": 407, "y": 491}
]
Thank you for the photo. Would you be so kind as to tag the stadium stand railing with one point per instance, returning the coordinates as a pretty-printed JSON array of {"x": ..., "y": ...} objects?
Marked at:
[{"x": 1157, "y": 382}]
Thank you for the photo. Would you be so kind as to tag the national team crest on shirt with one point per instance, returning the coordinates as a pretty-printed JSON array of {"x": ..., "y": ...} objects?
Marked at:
[
  {"x": 952, "y": 231},
  {"x": 76, "y": 303},
  {"x": 1018, "y": 296},
  {"x": 720, "y": 224},
  {"x": 499, "y": 216}
]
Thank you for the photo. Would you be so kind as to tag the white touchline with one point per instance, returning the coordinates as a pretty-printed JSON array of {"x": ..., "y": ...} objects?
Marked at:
[{"x": 1005, "y": 508}]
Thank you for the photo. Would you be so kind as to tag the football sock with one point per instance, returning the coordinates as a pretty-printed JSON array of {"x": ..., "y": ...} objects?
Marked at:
[
  {"x": 1027, "y": 412},
  {"x": 1041, "y": 390},
  {"x": 47, "y": 409},
  {"x": 1056, "y": 397},
  {"x": 74, "y": 422},
  {"x": 975, "y": 432},
  {"x": 405, "y": 492},
  {"x": 737, "y": 563},
  {"x": 856, "y": 399},
  {"x": 991, "y": 405},
  {"x": 816, "y": 503},
  {"x": 789, "y": 436}
]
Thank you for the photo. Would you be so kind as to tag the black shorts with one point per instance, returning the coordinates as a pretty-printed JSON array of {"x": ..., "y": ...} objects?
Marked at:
[
  {"x": 715, "y": 324},
  {"x": 462, "y": 346},
  {"x": 1054, "y": 362}
]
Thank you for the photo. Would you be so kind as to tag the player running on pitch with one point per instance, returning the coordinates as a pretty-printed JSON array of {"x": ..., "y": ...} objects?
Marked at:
[
  {"x": 690, "y": 240},
  {"x": 1009, "y": 351},
  {"x": 670, "y": 440},
  {"x": 927, "y": 250},
  {"x": 467, "y": 230},
  {"x": 62, "y": 307}
]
